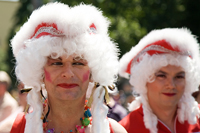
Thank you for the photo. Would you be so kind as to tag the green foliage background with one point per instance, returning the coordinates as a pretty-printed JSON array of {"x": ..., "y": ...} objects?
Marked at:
[{"x": 130, "y": 19}]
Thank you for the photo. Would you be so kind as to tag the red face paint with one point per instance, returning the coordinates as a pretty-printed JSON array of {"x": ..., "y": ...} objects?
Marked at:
[
  {"x": 47, "y": 76},
  {"x": 86, "y": 76}
]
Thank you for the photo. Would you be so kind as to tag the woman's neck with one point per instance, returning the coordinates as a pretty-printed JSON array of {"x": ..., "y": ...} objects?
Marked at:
[
  {"x": 166, "y": 115},
  {"x": 65, "y": 115}
]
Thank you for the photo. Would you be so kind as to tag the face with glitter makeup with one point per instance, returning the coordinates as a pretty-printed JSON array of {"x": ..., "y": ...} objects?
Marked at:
[{"x": 66, "y": 78}]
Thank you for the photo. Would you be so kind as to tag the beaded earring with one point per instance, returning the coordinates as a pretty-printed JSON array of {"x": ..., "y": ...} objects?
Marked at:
[
  {"x": 106, "y": 97},
  {"x": 44, "y": 116},
  {"x": 91, "y": 96}
]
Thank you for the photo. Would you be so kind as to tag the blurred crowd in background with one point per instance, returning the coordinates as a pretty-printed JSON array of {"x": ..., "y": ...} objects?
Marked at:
[{"x": 11, "y": 103}]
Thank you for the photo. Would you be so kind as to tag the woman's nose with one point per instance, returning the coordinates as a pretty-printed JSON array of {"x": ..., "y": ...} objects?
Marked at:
[
  {"x": 171, "y": 84},
  {"x": 67, "y": 71}
]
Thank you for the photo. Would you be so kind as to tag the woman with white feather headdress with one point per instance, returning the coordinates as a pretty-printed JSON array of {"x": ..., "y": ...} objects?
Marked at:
[
  {"x": 61, "y": 53},
  {"x": 164, "y": 69}
]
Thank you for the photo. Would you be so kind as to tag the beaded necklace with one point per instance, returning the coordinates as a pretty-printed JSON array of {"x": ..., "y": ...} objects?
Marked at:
[{"x": 86, "y": 120}]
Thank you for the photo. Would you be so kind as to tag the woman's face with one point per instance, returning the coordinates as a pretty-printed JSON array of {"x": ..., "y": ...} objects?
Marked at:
[
  {"x": 66, "y": 78},
  {"x": 167, "y": 88}
]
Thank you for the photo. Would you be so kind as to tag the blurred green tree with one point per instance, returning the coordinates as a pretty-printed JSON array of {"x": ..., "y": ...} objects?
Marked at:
[{"x": 132, "y": 19}]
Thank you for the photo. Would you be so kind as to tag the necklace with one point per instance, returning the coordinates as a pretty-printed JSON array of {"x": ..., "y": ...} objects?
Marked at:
[{"x": 86, "y": 120}]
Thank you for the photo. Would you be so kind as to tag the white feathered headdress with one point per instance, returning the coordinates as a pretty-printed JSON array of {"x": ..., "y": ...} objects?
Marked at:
[{"x": 56, "y": 29}]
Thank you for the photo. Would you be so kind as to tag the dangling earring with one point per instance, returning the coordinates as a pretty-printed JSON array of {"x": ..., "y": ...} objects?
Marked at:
[
  {"x": 44, "y": 104},
  {"x": 44, "y": 117},
  {"x": 107, "y": 98},
  {"x": 91, "y": 96}
]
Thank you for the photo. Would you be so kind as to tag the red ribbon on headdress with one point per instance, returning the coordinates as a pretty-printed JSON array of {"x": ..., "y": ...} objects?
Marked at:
[
  {"x": 55, "y": 32},
  {"x": 93, "y": 28},
  {"x": 38, "y": 34},
  {"x": 151, "y": 52}
]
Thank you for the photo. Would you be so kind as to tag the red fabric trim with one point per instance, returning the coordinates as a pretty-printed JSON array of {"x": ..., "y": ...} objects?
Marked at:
[
  {"x": 50, "y": 25},
  {"x": 43, "y": 25},
  {"x": 19, "y": 124},
  {"x": 162, "y": 43},
  {"x": 134, "y": 123},
  {"x": 93, "y": 26},
  {"x": 43, "y": 34},
  {"x": 128, "y": 69}
]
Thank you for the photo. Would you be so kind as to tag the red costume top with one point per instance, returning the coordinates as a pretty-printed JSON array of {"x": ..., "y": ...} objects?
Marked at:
[
  {"x": 20, "y": 122},
  {"x": 134, "y": 123}
]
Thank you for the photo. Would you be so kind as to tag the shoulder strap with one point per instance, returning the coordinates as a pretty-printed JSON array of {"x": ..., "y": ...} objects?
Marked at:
[{"x": 19, "y": 124}]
